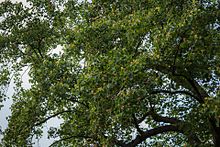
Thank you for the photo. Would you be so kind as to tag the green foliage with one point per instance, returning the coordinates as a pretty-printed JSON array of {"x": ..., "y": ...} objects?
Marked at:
[{"x": 131, "y": 73}]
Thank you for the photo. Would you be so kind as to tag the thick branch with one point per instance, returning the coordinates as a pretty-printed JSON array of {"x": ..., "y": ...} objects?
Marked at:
[
  {"x": 196, "y": 88},
  {"x": 192, "y": 137},
  {"x": 153, "y": 132},
  {"x": 170, "y": 120},
  {"x": 215, "y": 130},
  {"x": 137, "y": 124},
  {"x": 179, "y": 124}
]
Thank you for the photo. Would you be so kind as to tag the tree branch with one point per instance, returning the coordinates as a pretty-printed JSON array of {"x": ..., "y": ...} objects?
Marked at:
[
  {"x": 170, "y": 120},
  {"x": 144, "y": 117},
  {"x": 199, "y": 91},
  {"x": 152, "y": 132},
  {"x": 176, "y": 125},
  {"x": 194, "y": 86},
  {"x": 192, "y": 137},
  {"x": 52, "y": 116},
  {"x": 136, "y": 124},
  {"x": 72, "y": 99}
]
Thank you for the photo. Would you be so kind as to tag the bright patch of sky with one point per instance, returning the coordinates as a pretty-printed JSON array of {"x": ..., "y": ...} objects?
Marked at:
[{"x": 6, "y": 112}]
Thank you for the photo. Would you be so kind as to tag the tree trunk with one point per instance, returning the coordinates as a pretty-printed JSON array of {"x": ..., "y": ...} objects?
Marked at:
[{"x": 215, "y": 132}]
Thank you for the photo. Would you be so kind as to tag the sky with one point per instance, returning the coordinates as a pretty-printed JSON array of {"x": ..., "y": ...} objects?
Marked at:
[{"x": 5, "y": 111}]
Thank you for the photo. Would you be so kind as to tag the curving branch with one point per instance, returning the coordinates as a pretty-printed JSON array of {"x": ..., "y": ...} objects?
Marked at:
[
  {"x": 52, "y": 116},
  {"x": 153, "y": 132},
  {"x": 164, "y": 119},
  {"x": 198, "y": 92},
  {"x": 197, "y": 89},
  {"x": 175, "y": 125}
]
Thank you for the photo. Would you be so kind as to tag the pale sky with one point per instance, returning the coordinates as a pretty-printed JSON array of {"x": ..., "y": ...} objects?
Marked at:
[{"x": 5, "y": 111}]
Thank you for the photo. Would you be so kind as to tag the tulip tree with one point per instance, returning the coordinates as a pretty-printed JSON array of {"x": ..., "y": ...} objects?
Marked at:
[{"x": 131, "y": 73}]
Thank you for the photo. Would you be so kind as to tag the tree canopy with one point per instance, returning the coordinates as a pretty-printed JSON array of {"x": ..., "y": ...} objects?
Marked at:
[{"x": 131, "y": 73}]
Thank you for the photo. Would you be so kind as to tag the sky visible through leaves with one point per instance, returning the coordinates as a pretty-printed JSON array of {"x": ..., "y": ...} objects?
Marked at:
[
  {"x": 5, "y": 111},
  {"x": 157, "y": 69}
]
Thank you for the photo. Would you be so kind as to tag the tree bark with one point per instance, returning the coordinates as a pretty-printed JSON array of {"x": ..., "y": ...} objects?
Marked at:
[
  {"x": 215, "y": 132},
  {"x": 149, "y": 133}
]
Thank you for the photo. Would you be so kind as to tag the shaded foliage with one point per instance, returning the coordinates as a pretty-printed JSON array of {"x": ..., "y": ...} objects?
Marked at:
[{"x": 131, "y": 73}]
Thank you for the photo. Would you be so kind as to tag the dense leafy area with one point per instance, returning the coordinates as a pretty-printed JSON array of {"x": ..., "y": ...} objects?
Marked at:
[{"x": 131, "y": 72}]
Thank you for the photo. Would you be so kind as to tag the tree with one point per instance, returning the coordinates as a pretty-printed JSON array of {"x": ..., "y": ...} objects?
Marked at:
[{"x": 131, "y": 73}]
